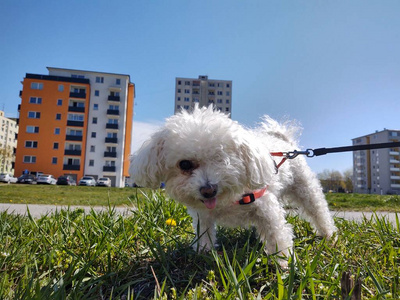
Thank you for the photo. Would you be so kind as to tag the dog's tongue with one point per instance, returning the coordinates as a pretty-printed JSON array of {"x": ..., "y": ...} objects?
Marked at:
[{"x": 210, "y": 203}]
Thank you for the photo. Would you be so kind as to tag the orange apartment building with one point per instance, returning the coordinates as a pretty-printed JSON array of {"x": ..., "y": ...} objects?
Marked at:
[{"x": 74, "y": 122}]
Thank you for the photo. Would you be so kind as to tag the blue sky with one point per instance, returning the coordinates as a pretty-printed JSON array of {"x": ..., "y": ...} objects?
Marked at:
[{"x": 334, "y": 66}]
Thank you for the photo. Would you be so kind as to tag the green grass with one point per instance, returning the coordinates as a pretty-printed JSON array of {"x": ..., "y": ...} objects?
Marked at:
[
  {"x": 363, "y": 202},
  {"x": 98, "y": 196},
  {"x": 74, "y": 255},
  {"x": 64, "y": 195}
]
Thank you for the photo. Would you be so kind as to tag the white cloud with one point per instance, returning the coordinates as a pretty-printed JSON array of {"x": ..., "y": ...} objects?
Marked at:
[{"x": 141, "y": 131}]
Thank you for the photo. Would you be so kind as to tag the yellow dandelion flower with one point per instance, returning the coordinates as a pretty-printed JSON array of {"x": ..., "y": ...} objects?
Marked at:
[{"x": 170, "y": 222}]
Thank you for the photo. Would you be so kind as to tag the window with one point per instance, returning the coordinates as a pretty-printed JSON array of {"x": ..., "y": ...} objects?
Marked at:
[
  {"x": 112, "y": 121},
  {"x": 77, "y": 76},
  {"x": 179, "y": 99},
  {"x": 113, "y": 107},
  {"x": 54, "y": 160},
  {"x": 219, "y": 93},
  {"x": 187, "y": 91},
  {"x": 179, "y": 91},
  {"x": 93, "y": 134},
  {"x": 92, "y": 148},
  {"x": 227, "y": 101},
  {"x": 94, "y": 120},
  {"x": 32, "y": 129},
  {"x": 95, "y": 106},
  {"x": 29, "y": 159},
  {"x": 33, "y": 114},
  {"x": 179, "y": 82},
  {"x": 228, "y": 85},
  {"x": 58, "y": 116},
  {"x": 57, "y": 131},
  {"x": 219, "y": 100},
  {"x": 187, "y": 82},
  {"x": 227, "y": 93},
  {"x": 76, "y": 117},
  {"x": 99, "y": 79},
  {"x": 74, "y": 132},
  {"x": 31, "y": 144},
  {"x": 91, "y": 163},
  {"x": 35, "y": 100},
  {"x": 37, "y": 86},
  {"x": 61, "y": 88},
  {"x": 111, "y": 134},
  {"x": 59, "y": 102},
  {"x": 187, "y": 99},
  {"x": 118, "y": 81},
  {"x": 55, "y": 145},
  {"x": 97, "y": 93}
]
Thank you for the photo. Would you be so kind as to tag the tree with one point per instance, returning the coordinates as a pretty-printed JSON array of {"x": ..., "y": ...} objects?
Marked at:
[{"x": 332, "y": 180}]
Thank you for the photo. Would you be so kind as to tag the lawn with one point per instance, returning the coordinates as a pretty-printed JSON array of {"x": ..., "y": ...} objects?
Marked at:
[
  {"x": 148, "y": 255},
  {"x": 101, "y": 196}
]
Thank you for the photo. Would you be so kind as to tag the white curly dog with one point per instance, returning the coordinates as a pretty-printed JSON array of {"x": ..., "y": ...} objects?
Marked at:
[{"x": 224, "y": 174}]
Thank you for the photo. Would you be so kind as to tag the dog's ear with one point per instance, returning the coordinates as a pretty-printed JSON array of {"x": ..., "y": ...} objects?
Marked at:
[
  {"x": 148, "y": 164},
  {"x": 260, "y": 166}
]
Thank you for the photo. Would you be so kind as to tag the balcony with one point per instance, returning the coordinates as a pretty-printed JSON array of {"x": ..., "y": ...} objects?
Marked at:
[
  {"x": 72, "y": 152},
  {"x": 109, "y": 169},
  {"x": 20, "y": 93},
  {"x": 73, "y": 137},
  {"x": 79, "y": 95},
  {"x": 110, "y": 154},
  {"x": 111, "y": 126},
  {"x": 19, "y": 107},
  {"x": 113, "y": 98},
  {"x": 76, "y": 109},
  {"x": 75, "y": 123},
  {"x": 72, "y": 167},
  {"x": 114, "y": 112},
  {"x": 111, "y": 140}
]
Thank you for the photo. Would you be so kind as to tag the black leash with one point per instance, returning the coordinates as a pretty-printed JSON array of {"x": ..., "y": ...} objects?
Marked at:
[{"x": 323, "y": 151}]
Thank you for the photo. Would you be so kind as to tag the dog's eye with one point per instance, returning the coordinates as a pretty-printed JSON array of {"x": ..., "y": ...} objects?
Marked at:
[{"x": 186, "y": 165}]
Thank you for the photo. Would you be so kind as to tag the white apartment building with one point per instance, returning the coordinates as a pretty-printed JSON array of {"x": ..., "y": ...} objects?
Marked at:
[
  {"x": 109, "y": 127},
  {"x": 8, "y": 143},
  {"x": 205, "y": 92},
  {"x": 377, "y": 171}
]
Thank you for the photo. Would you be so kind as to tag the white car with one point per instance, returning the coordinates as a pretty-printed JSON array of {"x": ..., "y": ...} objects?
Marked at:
[
  {"x": 46, "y": 179},
  {"x": 4, "y": 177},
  {"x": 104, "y": 181},
  {"x": 87, "y": 180}
]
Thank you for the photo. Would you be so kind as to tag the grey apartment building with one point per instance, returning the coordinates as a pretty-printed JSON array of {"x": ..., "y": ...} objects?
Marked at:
[
  {"x": 205, "y": 92},
  {"x": 377, "y": 171}
]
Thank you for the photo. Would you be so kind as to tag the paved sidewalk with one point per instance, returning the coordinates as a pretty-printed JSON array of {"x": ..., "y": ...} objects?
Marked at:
[{"x": 37, "y": 210}]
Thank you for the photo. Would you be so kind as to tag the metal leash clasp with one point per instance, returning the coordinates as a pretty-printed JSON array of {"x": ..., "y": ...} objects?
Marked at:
[{"x": 295, "y": 153}]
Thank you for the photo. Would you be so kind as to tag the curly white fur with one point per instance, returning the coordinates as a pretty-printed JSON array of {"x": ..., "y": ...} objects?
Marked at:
[{"x": 208, "y": 161}]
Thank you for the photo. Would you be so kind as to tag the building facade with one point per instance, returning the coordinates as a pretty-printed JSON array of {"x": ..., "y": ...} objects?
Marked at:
[
  {"x": 204, "y": 92},
  {"x": 377, "y": 171},
  {"x": 75, "y": 122},
  {"x": 8, "y": 143}
]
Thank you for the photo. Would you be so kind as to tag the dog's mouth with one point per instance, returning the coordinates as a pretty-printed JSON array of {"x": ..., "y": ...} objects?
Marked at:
[{"x": 210, "y": 203}]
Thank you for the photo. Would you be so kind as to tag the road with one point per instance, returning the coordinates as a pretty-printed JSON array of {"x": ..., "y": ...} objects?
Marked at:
[{"x": 37, "y": 210}]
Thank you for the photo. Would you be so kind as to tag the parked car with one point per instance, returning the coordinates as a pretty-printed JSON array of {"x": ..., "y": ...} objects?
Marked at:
[
  {"x": 4, "y": 177},
  {"x": 104, "y": 181},
  {"x": 27, "y": 178},
  {"x": 46, "y": 179},
  {"x": 87, "y": 180},
  {"x": 66, "y": 180}
]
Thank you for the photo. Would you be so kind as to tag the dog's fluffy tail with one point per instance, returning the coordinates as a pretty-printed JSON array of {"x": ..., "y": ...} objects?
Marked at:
[{"x": 288, "y": 131}]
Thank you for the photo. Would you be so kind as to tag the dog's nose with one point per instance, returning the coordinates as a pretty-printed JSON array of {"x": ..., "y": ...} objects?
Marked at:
[{"x": 209, "y": 191}]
